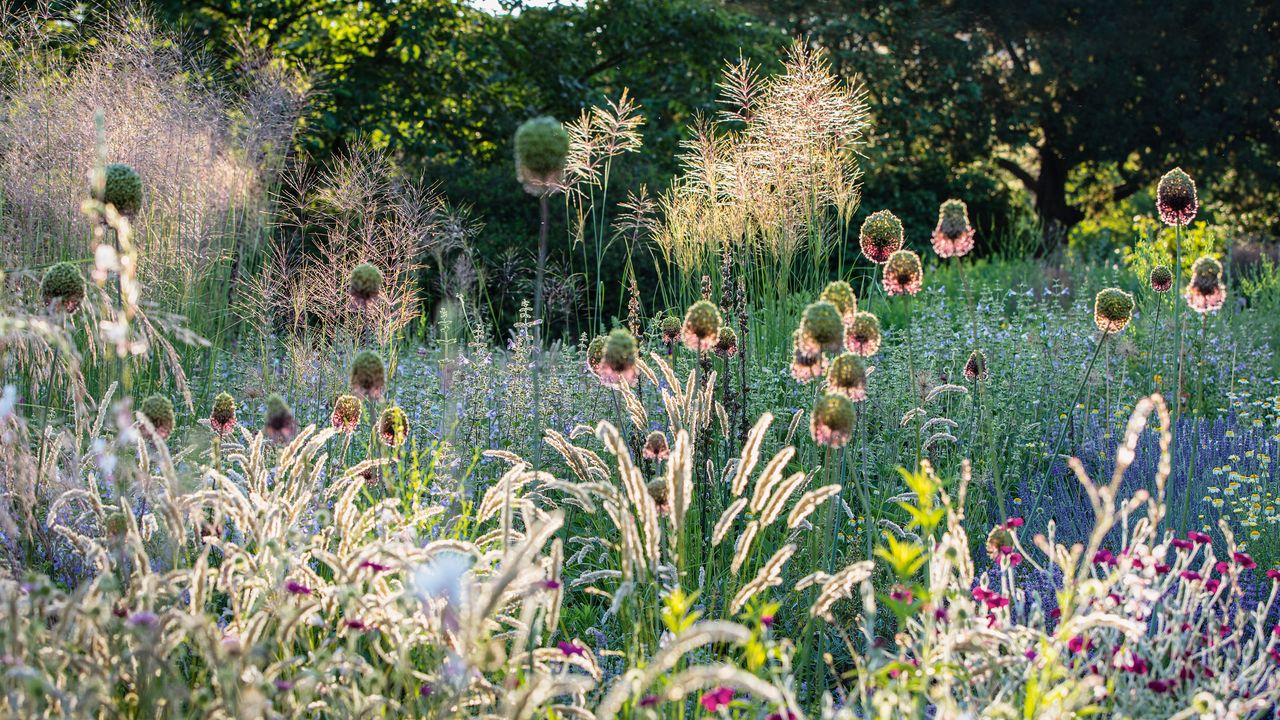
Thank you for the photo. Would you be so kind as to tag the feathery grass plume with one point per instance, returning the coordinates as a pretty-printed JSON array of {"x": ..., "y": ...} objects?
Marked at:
[
  {"x": 1161, "y": 279},
  {"x": 347, "y": 411},
  {"x": 831, "y": 423},
  {"x": 655, "y": 446},
  {"x": 903, "y": 273},
  {"x": 365, "y": 285},
  {"x": 1112, "y": 309},
  {"x": 618, "y": 359},
  {"x": 62, "y": 286},
  {"x": 840, "y": 294},
  {"x": 158, "y": 411},
  {"x": 847, "y": 376},
  {"x": 807, "y": 360},
  {"x": 595, "y": 353},
  {"x": 670, "y": 329},
  {"x": 278, "y": 423},
  {"x": 701, "y": 329},
  {"x": 1206, "y": 292},
  {"x": 122, "y": 187},
  {"x": 393, "y": 426},
  {"x": 542, "y": 148},
  {"x": 823, "y": 326},
  {"x": 953, "y": 235},
  {"x": 770, "y": 575},
  {"x": 839, "y": 587},
  {"x": 368, "y": 375},
  {"x": 1176, "y": 198},
  {"x": 881, "y": 236},
  {"x": 722, "y": 527},
  {"x": 810, "y": 502},
  {"x": 975, "y": 368},
  {"x": 222, "y": 418},
  {"x": 727, "y": 343},
  {"x": 863, "y": 336}
]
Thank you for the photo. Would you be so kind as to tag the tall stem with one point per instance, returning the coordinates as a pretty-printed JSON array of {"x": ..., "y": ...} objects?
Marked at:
[
  {"x": 544, "y": 216},
  {"x": 1195, "y": 431},
  {"x": 1062, "y": 432},
  {"x": 1177, "y": 322}
]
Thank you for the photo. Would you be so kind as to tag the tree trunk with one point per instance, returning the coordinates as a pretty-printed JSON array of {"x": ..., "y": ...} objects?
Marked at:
[{"x": 1057, "y": 215}]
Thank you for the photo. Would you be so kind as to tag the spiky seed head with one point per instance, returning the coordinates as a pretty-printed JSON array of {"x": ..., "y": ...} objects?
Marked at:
[
  {"x": 364, "y": 285},
  {"x": 903, "y": 273},
  {"x": 542, "y": 146},
  {"x": 655, "y": 446},
  {"x": 953, "y": 235},
  {"x": 595, "y": 353},
  {"x": 823, "y": 325},
  {"x": 159, "y": 412},
  {"x": 347, "y": 411},
  {"x": 840, "y": 294},
  {"x": 975, "y": 368},
  {"x": 808, "y": 362},
  {"x": 727, "y": 342},
  {"x": 658, "y": 491},
  {"x": 368, "y": 375},
  {"x": 1206, "y": 292},
  {"x": 62, "y": 286},
  {"x": 847, "y": 376},
  {"x": 1161, "y": 279},
  {"x": 863, "y": 336},
  {"x": 670, "y": 328},
  {"x": 122, "y": 188},
  {"x": 618, "y": 363},
  {"x": 222, "y": 418},
  {"x": 1112, "y": 309},
  {"x": 393, "y": 426},
  {"x": 1176, "y": 199},
  {"x": 278, "y": 423},
  {"x": 701, "y": 328},
  {"x": 881, "y": 236},
  {"x": 832, "y": 421}
]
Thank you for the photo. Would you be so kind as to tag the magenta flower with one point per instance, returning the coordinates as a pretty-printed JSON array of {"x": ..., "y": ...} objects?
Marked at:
[
  {"x": 766, "y": 620},
  {"x": 1243, "y": 560},
  {"x": 1212, "y": 585},
  {"x": 1014, "y": 522},
  {"x": 1181, "y": 544},
  {"x": 716, "y": 699},
  {"x": 356, "y": 624},
  {"x": 1189, "y": 575},
  {"x": 649, "y": 701},
  {"x": 550, "y": 584},
  {"x": 296, "y": 588},
  {"x": 1160, "y": 686},
  {"x": 374, "y": 566},
  {"x": 571, "y": 648},
  {"x": 1199, "y": 538},
  {"x": 425, "y": 690},
  {"x": 1076, "y": 644},
  {"x": 1274, "y": 574}
]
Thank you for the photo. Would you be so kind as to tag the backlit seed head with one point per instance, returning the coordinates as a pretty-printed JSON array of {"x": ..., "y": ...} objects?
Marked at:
[
  {"x": 975, "y": 368},
  {"x": 347, "y": 411},
  {"x": 840, "y": 294},
  {"x": 823, "y": 324},
  {"x": 1112, "y": 309},
  {"x": 278, "y": 424},
  {"x": 727, "y": 343},
  {"x": 701, "y": 329},
  {"x": 953, "y": 235},
  {"x": 881, "y": 236},
  {"x": 365, "y": 285},
  {"x": 655, "y": 446},
  {"x": 1176, "y": 198},
  {"x": 903, "y": 273},
  {"x": 542, "y": 146},
  {"x": 159, "y": 412},
  {"x": 123, "y": 189},
  {"x": 368, "y": 375},
  {"x": 808, "y": 362},
  {"x": 595, "y": 353},
  {"x": 62, "y": 286},
  {"x": 1161, "y": 279},
  {"x": 832, "y": 421},
  {"x": 847, "y": 376},
  {"x": 658, "y": 491},
  {"x": 393, "y": 426},
  {"x": 618, "y": 362},
  {"x": 863, "y": 336},
  {"x": 1206, "y": 292},
  {"x": 223, "y": 416},
  {"x": 670, "y": 330}
]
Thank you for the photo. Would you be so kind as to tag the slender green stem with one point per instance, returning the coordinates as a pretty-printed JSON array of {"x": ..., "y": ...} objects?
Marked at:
[{"x": 1062, "y": 432}]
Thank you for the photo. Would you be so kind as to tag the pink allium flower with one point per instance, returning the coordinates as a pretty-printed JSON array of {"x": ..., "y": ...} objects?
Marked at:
[
  {"x": 1176, "y": 199},
  {"x": 716, "y": 699},
  {"x": 953, "y": 235},
  {"x": 656, "y": 447},
  {"x": 881, "y": 236},
  {"x": 903, "y": 274},
  {"x": 862, "y": 337}
]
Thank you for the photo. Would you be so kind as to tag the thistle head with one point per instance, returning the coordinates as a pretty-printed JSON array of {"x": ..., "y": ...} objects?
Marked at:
[
  {"x": 975, "y": 368},
  {"x": 822, "y": 325},
  {"x": 727, "y": 342},
  {"x": 618, "y": 361},
  {"x": 542, "y": 147},
  {"x": 393, "y": 426},
  {"x": 953, "y": 235},
  {"x": 1176, "y": 199},
  {"x": 1161, "y": 279},
  {"x": 368, "y": 375},
  {"x": 347, "y": 412},
  {"x": 847, "y": 376},
  {"x": 903, "y": 273},
  {"x": 122, "y": 187},
  {"x": 278, "y": 423},
  {"x": 365, "y": 285},
  {"x": 595, "y": 353},
  {"x": 881, "y": 236},
  {"x": 222, "y": 418},
  {"x": 840, "y": 294},
  {"x": 1206, "y": 292},
  {"x": 863, "y": 336},
  {"x": 159, "y": 412},
  {"x": 808, "y": 361},
  {"x": 832, "y": 420},
  {"x": 62, "y": 286},
  {"x": 1112, "y": 309},
  {"x": 655, "y": 446},
  {"x": 701, "y": 328}
]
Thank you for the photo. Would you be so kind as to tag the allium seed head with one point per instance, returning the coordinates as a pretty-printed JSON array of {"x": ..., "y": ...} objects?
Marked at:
[
  {"x": 542, "y": 146},
  {"x": 840, "y": 294},
  {"x": 278, "y": 423},
  {"x": 1176, "y": 198},
  {"x": 595, "y": 353},
  {"x": 1206, "y": 292},
  {"x": 1161, "y": 279},
  {"x": 159, "y": 412},
  {"x": 727, "y": 343},
  {"x": 223, "y": 416},
  {"x": 368, "y": 375},
  {"x": 881, "y": 236},
  {"x": 655, "y": 446},
  {"x": 1112, "y": 309},
  {"x": 123, "y": 189},
  {"x": 365, "y": 285},
  {"x": 847, "y": 376},
  {"x": 347, "y": 411},
  {"x": 808, "y": 362},
  {"x": 701, "y": 329},
  {"x": 975, "y": 368},
  {"x": 903, "y": 273},
  {"x": 953, "y": 235},
  {"x": 670, "y": 330},
  {"x": 823, "y": 325},
  {"x": 618, "y": 363},
  {"x": 832, "y": 421},
  {"x": 393, "y": 426},
  {"x": 62, "y": 286},
  {"x": 658, "y": 491},
  {"x": 863, "y": 336}
]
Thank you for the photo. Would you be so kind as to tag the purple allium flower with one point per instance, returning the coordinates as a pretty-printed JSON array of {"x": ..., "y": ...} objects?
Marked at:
[
  {"x": 1176, "y": 198},
  {"x": 880, "y": 236}
]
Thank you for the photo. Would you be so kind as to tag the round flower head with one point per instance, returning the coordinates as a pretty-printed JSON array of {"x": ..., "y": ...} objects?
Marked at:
[
  {"x": 863, "y": 336},
  {"x": 840, "y": 294},
  {"x": 1161, "y": 279},
  {"x": 618, "y": 361},
  {"x": 808, "y": 362},
  {"x": 881, "y": 236},
  {"x": 595, "y": 353},
  {"x": 278, "y": 423},
  {"x": 975, "y": 369},
  {"x": 1176, "y": 198},
  {"x": 542, "y": 146},
  {"x": 832, "y": 421},
  {"x": 62, "y": 286},
  {"x": 1206, "y": 292},
  {"x": 727, "y": 342},
  {"x": 670, "y": 331},
  {"x": 1000, "y": 537},
  {"x": 368, "y": 375},
  {"x": 658, "y": 491},
  {"x": 1112, "y": 309},
  {"x": 365, "y": 285},
  {"x": 347, "y": 411},
  {"x": 223, "y": 416},
  {"x": 122, "y": 187},
  {"x": 823, "y": 326},
  {"x": 953, "y": 235},
  {"x": 393, "y": 426},
  {"x": 159, "y": 412},
  {"x": 655, "y": 446},
  {"x": 701, "y": 329},
  {"x": 847, "y": 376},
  {"x": 903, "y": 273}
]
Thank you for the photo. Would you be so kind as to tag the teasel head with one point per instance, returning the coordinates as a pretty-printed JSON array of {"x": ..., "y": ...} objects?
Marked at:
[
  {"x": 159, "y": 412},
  {"x": 595, "y": 353},
  {"x": 658, "y": 491},
  {"x": 365, "y": 285},
  {"x": 393, "y": 426},
  {"x": 368, "y": 375},
  {"x": 701, "y": 329},
  {"x": 278, "y": 424},
  {"x": 223, "y": 416},
  {"x": 807, "y": 359},
  {"x": 863, "y": 336},
  {"x": 618, "y": 361},
  {"x": 347, "y": 412},
  {"x": 122, "y": 187},
  {"x": 655, "y": 446},
  {"x": 847, "y": 376},
  {"x": 881, "y": 236},
  {"x": 727, "y": 343},
  {"x": 1206, "y": 292},
  {"x": 1112, "y": 309},
  {"x": 1161, "y": 279},
  {"x": 823, "y": 326},
  {"x": 1176, "y": 198},
  {"x": 903, "y": 273},
  {"x": 975, "y": 368},
  {"x": 62, "y": 286},
  {"x": 840, "y": 294},
  {"x": 832, "y": 421},
  {"x": 542, "y": 148},
  {"x": 953, "y": 235}
]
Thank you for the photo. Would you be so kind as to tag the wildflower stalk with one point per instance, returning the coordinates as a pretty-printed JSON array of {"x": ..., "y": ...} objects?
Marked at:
[
  {"x": 911, "y": 377},
  {"x": 1062, "y": 432},
  {"x": 1177, "y": 322},
  {"x": 1195, "y": 435}
]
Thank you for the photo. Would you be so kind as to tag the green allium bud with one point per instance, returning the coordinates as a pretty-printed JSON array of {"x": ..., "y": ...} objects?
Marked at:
[
  {"x": 658, "y": 491},
  {"x": 840, "y": 294},
  {"x": 823, "y": 325},
  {"x": 618, "y": 363},
  {"x": 393, "y": 426},
  {"x": 223, "y": 416},
  {"x": 62, "y": 285},
  {"x": 542, "y": 147},
  {"x": 159, "y": 412},
  {"x": 365, "y": 284},
  {"x": 727, "y": 343},
  {"x": 832, "y": 421},
  {"x": 278, "y": 423},
  {"x": 1161, "y": 279},
  {"x": 701, "y": 328},
  {"x": 368, "y": 375},
  {"x": 595, "y": 353},
  {"x": 881, "y": 236},
  {"x": 1112, "y": 309},
  {"x": 847, "y": 376},
  {"x": 123, "y": 188},
  {"x": 670, "y": 328},
  {"x": 863, "y": 336}
]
